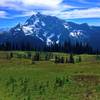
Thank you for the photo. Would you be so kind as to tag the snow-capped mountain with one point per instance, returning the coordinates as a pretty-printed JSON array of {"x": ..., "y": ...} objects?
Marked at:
[
  {"x": 41, "y": 29},
  {"x": 47, "y": 29}
]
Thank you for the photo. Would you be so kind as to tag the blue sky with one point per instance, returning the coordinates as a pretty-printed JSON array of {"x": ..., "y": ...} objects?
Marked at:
[{"x": 79, "y": 11}]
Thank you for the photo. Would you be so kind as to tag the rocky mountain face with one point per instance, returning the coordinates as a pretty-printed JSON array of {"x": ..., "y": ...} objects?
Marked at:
[{"x": 41, "y": 30}]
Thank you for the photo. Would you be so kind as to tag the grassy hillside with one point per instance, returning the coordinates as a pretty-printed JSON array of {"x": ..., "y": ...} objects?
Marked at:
[{"x": 45, "y": 80}]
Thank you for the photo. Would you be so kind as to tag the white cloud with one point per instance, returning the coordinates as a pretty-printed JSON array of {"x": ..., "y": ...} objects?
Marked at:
[
  {"x": 81, "y": 13},
  {"x": 24, "y": 14},
  {"x": 73, "y": 14},
  {"x": 28, "y": 3},
  {"x": 3, "y": 14},
  {"x": 28, "y": 6},
  {"x": 51, "y": 3},
  {"x": 48, "y": 7}
]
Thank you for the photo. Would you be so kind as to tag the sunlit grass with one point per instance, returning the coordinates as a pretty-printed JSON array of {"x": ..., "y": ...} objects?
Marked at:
[{"x": 45, "y": 80}]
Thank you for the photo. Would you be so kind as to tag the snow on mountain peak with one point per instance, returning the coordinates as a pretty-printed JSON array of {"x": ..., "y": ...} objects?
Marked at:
[
  {"x": 76, "y": 33},
  {"x": 27, "y": 30},
  {"x": 67, "y": 26},
  {"x": 36, "y": 21},
  {"x": 49, "y": 29},
  {"x": 49, "y": 42},
  {"x": 43, "y": 24}
]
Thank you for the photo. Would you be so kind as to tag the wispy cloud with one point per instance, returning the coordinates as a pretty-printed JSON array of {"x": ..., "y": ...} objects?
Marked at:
[
  {"x": 57, "y": 8},
  {"x": 81, "y": 13},
  {"x": 20, "y": 4},
  {"x": 3, "y": 14},
  {"x": 49, "y": 3},
  {"x": 27, "y": 7}
]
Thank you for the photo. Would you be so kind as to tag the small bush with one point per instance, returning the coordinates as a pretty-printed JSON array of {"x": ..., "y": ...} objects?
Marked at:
[{"x": 71, "y": 59}]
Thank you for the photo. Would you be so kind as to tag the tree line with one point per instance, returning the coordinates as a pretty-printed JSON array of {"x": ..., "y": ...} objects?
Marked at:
[{"x": 66, "y": 47}]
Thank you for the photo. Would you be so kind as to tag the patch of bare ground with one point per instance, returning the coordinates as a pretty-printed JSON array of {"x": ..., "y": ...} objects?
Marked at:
[{"x": 89, "y": 82}]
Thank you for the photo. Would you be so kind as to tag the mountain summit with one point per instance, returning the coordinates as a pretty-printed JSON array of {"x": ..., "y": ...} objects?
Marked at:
[{"x": 41, "y": 30}]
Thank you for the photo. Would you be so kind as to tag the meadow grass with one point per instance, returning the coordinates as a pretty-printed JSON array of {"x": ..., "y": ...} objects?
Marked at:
[{"x": 45, "y": 80}]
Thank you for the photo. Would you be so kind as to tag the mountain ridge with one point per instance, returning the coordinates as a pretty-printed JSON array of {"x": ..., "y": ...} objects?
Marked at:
[{"x": 42, "y": 29}]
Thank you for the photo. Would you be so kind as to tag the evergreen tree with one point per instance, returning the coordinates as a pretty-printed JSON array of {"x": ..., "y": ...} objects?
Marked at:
[
  {"x": 47, "y": 57},
  {"x": 66, "y": 60},
  {"x": 80, "y": 59},
  {"x": 37, "y": 56},
  {"x": 32, "y": 59},
  {"x": 29, "y": 55},
  {"x": 11, "y": 54},
  {"x": 71, "y": 59},
  {"x": 62, "y": 60},
  {"x": 56, "y": 59}
]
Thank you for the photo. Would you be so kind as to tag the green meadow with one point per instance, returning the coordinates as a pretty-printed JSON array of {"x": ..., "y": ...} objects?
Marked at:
[{"x": 20, "y": 79}]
